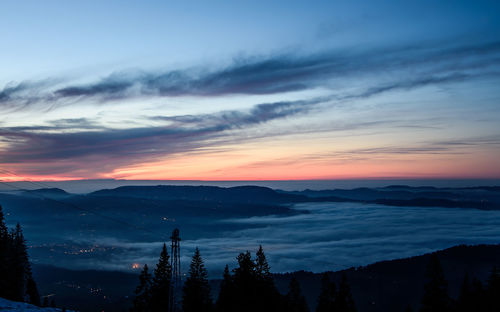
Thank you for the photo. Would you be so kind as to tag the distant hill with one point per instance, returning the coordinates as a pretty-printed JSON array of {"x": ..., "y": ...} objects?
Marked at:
[
  {"x": 485, "y": 198},
  {"x": 239, "y": 194},
  {"x": 157, "y": 208},
  {"x": 47, "y": 192},
  {"x": 438, "y": 202}
]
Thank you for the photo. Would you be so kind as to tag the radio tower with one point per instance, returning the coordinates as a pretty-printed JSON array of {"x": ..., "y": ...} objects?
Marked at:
[{"x": 175, "y": 262}]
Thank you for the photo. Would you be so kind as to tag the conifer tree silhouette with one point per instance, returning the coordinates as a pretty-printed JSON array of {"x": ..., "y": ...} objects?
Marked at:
[
  {"x": 4, "y": 248},
  {"x": 32, "y": 292},
  {"x": 465, "y": 297},
  {"x": 16, "y": 279},
  {"x": 409, "y": 308},
  {"x": 160, "y": 289},
  {"x": 478, "y": 295},
  {"x": 245, "y": 282},
  {"x": 196, "y": 291},
  {"x": 295, "y": 301},
  {"x": 326, "y": 298},
  {"x": 265, "y": 288},
  {"x": 142, "y": 298},
  {"x": 435, "y": 297},
  {"x": 19, "y": 265},
  {"x": 493, "y": 290},
  {"x": 262, "y": 268},
  {"x": 344, "y": 301},
  {"x": 226, "y": 299},
  {"x": 251, "y": 287}
]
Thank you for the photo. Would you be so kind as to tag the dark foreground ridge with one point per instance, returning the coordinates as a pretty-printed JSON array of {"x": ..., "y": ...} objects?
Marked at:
[
  {"x": 392, "y": 285},
  {"x": 382, "y": 286}
]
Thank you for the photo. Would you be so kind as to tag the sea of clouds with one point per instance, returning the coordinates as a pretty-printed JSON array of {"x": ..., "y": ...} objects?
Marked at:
[{"x": 331, "y": 236}]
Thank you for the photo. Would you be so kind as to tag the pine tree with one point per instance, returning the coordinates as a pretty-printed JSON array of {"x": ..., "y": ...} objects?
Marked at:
[
  {"x": 4, "y": 246},
  {"x": 295, "y": 301},
  {"x": 4, "y": 232},
  {"x": 435, "y": 298},
  {"x": 493, "y": 290},
  {"x": 326, "y": 299},
  {"x": 253, "y": 286},
  {"x": 32, "y": 292},
  {"x": 245, "y": 283},
  {"x": 478, "y": 296},
  {"x": 344, "y": 301},
  {"x": 160, "y": 290},
  {"x": 20, "y": 266},
  {"x": 16, "y": 280},
  {"x": 464, "y": 302},
  {"x": 196, "y": 291},
  {"x": 265, "y": 288},
  {"x": 246, "y": 267},
  {"x": 142, "y": 298},
  {"x": 262, "y": 268},
  {"x": 226, "y": 299}
]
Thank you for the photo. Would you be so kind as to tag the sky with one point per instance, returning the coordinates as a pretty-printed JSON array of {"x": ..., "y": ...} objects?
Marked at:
[{"x": 249, "y": 90}]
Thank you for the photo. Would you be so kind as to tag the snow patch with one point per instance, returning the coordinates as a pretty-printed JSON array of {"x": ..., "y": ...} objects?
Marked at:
[{"x": 7, "y": 306}]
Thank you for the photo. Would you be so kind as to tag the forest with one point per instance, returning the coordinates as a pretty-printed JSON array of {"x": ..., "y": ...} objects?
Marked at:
[{"x": 250, "y": 286}]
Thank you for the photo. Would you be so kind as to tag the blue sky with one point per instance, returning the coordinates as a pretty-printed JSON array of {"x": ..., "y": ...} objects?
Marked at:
[
  {"x": 249, "y": 89},
  {"x": 57, "y": 37}
]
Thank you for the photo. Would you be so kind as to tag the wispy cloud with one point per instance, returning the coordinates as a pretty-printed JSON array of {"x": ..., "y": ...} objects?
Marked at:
[
  {"x": 70, "y": 143},
  {"x": 116, "y": 147},
  {"x": 411, "y": 66}
]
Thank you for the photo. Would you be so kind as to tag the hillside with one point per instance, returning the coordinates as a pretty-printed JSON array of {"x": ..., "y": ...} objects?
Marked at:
[
  {"x": 238, "y": 194},
  {"x": 391, "y": 285},
  {"x": 383, "y": 286}
]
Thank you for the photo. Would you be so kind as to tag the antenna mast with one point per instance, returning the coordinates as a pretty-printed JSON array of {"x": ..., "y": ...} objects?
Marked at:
[{"x": 175, "y": 262}]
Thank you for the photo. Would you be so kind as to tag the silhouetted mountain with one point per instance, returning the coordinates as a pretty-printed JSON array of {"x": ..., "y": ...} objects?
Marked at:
[
  {"x": 47, "y": 192},
  {"x": 239, "y": 194},
  {"x": 83, "y": 215},
  {"x": 368, "y": 194},
  {"x": 438, "y": 202},
  {"x": 485, "y": 188},
  {"x": 487, "y": 198}
]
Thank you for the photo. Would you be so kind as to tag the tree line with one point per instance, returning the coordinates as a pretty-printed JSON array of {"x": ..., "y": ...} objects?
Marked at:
[
  {"x": 473, "y": 296},
  {"x": 16, "y": 279},
  {"x": 248, "y": 287}
]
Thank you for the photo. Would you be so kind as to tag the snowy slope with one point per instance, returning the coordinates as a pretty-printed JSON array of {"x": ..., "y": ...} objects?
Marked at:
[{"x": 8, "y": 306}]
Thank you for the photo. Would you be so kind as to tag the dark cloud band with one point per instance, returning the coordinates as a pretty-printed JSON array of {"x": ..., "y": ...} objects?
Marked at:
[{"x": 425, "y": 64}]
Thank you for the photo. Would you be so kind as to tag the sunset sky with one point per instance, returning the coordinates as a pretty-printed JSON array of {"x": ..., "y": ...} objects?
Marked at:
[{"x": 249, "y": 90}]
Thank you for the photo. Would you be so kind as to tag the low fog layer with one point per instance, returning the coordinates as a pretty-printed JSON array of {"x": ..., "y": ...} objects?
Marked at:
[{"x": 331, "y": 236}]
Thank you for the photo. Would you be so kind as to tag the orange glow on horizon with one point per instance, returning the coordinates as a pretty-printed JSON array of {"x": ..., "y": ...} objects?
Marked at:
[{"x": 249, "y": 163}]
